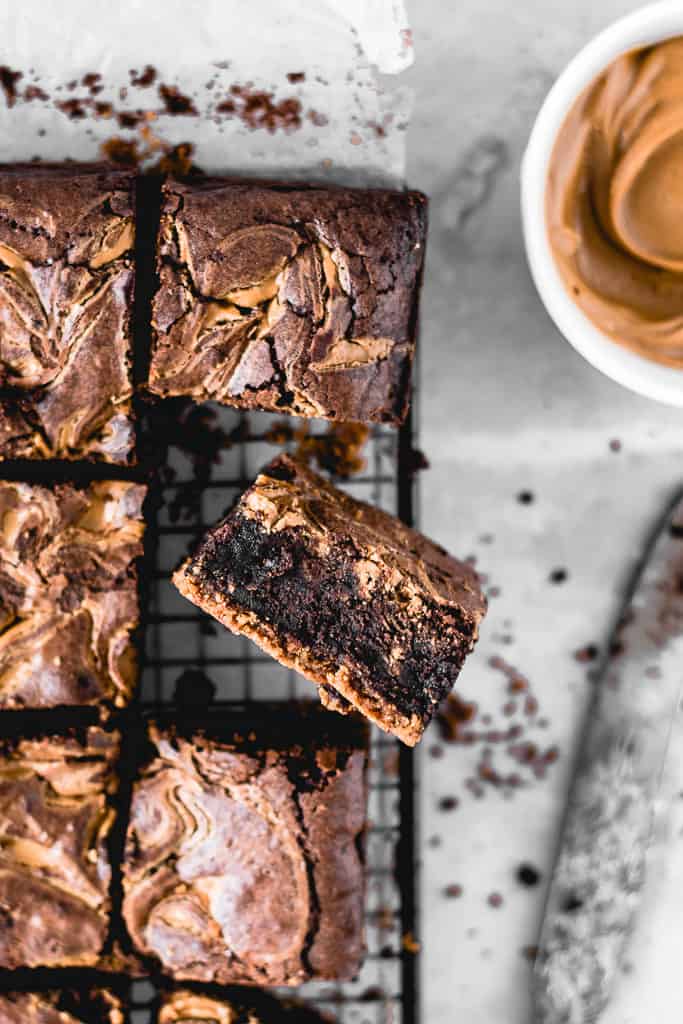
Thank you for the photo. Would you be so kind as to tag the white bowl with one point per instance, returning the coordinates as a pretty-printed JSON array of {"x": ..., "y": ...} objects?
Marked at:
[{"x": 648, "y": 25}]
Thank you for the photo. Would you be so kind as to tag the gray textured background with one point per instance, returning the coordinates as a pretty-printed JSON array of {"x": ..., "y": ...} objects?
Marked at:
[{"x": 506, "y": 405}]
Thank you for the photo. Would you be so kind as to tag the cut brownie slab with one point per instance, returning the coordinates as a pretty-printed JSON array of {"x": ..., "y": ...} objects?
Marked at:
[
  {"x": 66, "y": 285},
  {"x": 373, "y": 612},
  {"x": 95, "y": 1006},
  {"x": 55, "y": 819},
  {"x": 185, "y": 1007},
  {"x": 244, "y": 856},
  {"x": 288, "y": 298},
  {"x": 68, "y": 593}
]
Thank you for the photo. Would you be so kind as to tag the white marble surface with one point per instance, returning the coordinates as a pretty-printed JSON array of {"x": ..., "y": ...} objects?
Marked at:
[{"x": 506, "y": 405}]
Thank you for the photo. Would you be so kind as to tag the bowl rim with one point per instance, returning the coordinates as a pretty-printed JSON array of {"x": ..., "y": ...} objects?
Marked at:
[{"x": 647, "y": 25}]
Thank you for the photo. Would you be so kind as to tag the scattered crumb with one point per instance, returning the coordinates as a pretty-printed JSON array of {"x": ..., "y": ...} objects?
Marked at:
[
  {"x": 259, "y": 109},
  {"x": 494, "y": 900},
  {"x": 558, "y": 576},
  {"x": 175, "y": 102},
  {"x": 588, "y": 653},
  {"x": 144, "y": 78},
  {"x": 338, "y": 450},
  {"x": 296, "y": 76},
  {"x": 525, "y": 497},
  {"x": 615, "y": 445},
  {"x": 528, "y": 875},
  {"x": 453, "y": 892},
  {"x": 410, "y": 944},
  {"x": 448, "y": 803},
  {"x": 8, "y": 83}
]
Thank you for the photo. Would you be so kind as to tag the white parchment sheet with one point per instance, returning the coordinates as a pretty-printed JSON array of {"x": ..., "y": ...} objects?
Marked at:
[{"x": 348, "y": 127}]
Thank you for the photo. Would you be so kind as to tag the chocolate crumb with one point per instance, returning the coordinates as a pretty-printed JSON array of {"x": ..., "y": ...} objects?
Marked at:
[
  {"x": 8, "y": 83},
  {"x": 448, "y": 803},
  {"x": 615, "y": 445},
  {"x": 528, "y": 875},
  {"x": 296, "y": 76},
  {"x": 525, "y": 497},
  {"x": 175, "y": 102},
  {"x": 259, "y": 109},
  {"x": 495, "y": 900},
  {"x": 34, "y": 92},
  {"x": 453, "y": 892},
  {"x": 145, "y": 78},
  {"x": 558, "y": 576},
  {"x": 587, "y": 653}
]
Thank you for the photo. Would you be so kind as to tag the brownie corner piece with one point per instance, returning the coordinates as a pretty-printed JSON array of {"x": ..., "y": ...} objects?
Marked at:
[
  {"x": 66, "y": 1006},
  {"x": 289, "y": 298},
  {"x": 69, "y": 602},
  {"x": 244, "y": 857},
  {"x": 66, "y": 292},
  {"x": 374, "y": 613},
  {"x": 56, "y": 814}
]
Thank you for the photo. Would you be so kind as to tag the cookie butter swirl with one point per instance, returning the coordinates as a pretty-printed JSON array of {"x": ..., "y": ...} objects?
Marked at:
[{"x": 614, "y": 201}]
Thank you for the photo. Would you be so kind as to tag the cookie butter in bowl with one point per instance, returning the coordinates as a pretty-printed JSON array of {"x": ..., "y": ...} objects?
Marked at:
[{"x": 602, "y": 202}]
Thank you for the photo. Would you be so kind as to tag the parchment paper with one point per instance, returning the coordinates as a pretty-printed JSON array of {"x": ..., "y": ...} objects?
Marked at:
[{"x": 343, "y": 125}]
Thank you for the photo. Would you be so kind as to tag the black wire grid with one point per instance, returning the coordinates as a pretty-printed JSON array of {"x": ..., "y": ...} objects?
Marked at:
[{"x": 180, "y": 641}]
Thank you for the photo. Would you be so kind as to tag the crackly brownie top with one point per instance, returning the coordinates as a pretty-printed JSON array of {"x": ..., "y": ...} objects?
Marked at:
[
  {"x": 55, "y": 818},
  {"x": 68, "y": 595},
  {"x": 242, "y": 861},
  {"x": 185, "y": 1007},
  {"x": 289, "y": 297},
  {"x": 98, "y": 1006},
  {"x": 66, "y": 279},
  {"x": 287, "y": 495}
]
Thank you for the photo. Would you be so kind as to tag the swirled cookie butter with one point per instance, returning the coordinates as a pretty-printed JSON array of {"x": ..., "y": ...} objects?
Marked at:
[{"x": 614, "y": 201}]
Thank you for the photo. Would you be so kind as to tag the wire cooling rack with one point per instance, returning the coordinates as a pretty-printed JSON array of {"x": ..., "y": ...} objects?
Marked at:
[{"x": 183, "y": 645}]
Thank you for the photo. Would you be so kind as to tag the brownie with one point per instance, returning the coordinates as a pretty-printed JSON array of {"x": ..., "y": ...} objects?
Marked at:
[
  {"x": 186, "y": 1007},
  {"x": 244, "y": 858},
  {"x": 55, "y": 819},
  {"x": 94, "y": 1006},
  {"x": 379, "y": 617},
  {"x": 66, "y": 287},
  {"x": 68, "y": 593},
  {"x": 288, "y": 298}
]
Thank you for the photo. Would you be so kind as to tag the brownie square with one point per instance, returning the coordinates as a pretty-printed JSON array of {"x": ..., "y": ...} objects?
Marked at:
[
  {"x": 379, "y": 617},
  {"x": 288, "y": 298},
  {"x": 55, "y": 819},
  {"x": 186, "y": 1007},
  {"x": 244, "y": 857},
  {"x": 94, "y": 1006},
  {"x": 66, "y": 287},
  {"x": 68, "y": 593}
]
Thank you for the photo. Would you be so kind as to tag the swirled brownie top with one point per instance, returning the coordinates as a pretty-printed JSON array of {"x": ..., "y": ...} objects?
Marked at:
[
  {"x": 374, "y": 613},
  {"x": 288, "y": 298},
  {"x": 55, "y": 819},
  {"x": 66, "y": 284},
  {"x": 244, "y": 855},
  {"x": 68, "y": 593}
]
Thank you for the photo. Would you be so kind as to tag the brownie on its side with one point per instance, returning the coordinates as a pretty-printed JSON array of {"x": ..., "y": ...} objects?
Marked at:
[
  {"x": 96, "y": 1006},
  {"x": 55, "y": 818},
  {"x": 185, "y": 1007},
  {"x": 244, "y": 856},
  {"x": 66, "y": 286},
  {"x": 283, "y": 297},
  {"x": 68, "y": 593},
  {"x": 379, "y": 617}
]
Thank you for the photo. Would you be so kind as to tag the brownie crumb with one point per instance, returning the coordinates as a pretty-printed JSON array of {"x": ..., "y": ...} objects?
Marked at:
[
  {"x": 8, "y": 83},
  {"x": 525, "y": 497},
  {"x": 587, "y": 653},
  {"x": 74, "y": 108},
  {"x": 528, "y": 875},
  {"x": 615, "y": 445},
  {"x": 259, "y": 109},
  {"x": 453, "y": 715},
  {"x": 495, "y": 900},
  {"x": 296, "y": 76},
  {"x": 529, "y": 953},
  {"x": 410, "y": 944},
  {"x": 339, "y": 450},
  {"x": 448, "y": 803},
  {"x": 558, "y": 576},
  {"x": 175, "y": 102},
  {"x": 34, "y": 92},
  {"x": 144, "y": 78},
  {"x": 453, "y": 892}
]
